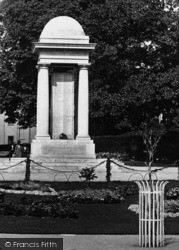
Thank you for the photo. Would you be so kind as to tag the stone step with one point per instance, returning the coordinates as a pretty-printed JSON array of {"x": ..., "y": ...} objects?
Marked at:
[
  {"x": 62, "y": 165},
  {"x": 40, "y": 165},
  {"x": 64, "y": 160},
  {"x": 13, "y": 165}
]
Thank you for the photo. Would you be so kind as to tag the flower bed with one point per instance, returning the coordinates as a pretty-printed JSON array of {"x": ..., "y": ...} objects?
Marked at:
[
  {"x": 33, "y": 192},
  {"x": 87, "y": 195},
  {"x": 39, "y": 200},
  {"x": 171, "y": 208},
  {"x": 28, "y": 188},
  {"x": 62, "y": 205},
  {"x": 46, "y": 207}
]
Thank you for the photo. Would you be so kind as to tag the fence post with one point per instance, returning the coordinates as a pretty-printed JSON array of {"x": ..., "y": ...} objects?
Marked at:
[
  {"x": 108, "y": 170},
  {"x": 27, "y": 170}
]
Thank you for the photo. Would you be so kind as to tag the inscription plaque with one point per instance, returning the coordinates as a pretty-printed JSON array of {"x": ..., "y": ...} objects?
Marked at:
[
  {"x": 63, "y": 150},
  {"x": 62, "y": 105}
]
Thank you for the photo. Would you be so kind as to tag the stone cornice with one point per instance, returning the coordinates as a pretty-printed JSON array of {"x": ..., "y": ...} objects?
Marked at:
[
  {"x": 84, "y": 66},
  {"x": 42, "y": 65},
  {"x": 75, "y": 46}
]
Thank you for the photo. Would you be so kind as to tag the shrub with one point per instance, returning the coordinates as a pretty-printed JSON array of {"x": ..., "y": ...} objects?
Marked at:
[
  {"x": 52, "y": 207},
  {"x": 127, "y": 190},
  {"x": 172, "y": 206},
  {"x": 89, "y": 196},
  {"x": 8, "y": 208},
  {"x": 115, "y": 155},
  {"x": 13, "y": 208},
  {"x": 19, "y": 210},
  {"x": 6, "y": 186},
  {"x": 45, "y": 207},
  {"x": 172, "y": 193},
  {"x": 114, "y": 143},
  {"x": 2, "y": 197},
  {"x": 37, "y": 209},
  {"x": 88, "y": 174},
  {"x": 167, "y": 147}
]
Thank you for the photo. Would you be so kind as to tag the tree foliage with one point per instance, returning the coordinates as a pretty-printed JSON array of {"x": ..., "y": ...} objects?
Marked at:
[
  {"x": 134, "y": 69},
  {"x": 23, "y": 21}
]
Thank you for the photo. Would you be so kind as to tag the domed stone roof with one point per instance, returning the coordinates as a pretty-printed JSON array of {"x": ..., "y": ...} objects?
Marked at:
[{"x": 62, "y": 27}]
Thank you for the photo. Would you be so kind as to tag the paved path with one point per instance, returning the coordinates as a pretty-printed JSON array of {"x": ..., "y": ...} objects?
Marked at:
[{"x": 101, "y": 242}]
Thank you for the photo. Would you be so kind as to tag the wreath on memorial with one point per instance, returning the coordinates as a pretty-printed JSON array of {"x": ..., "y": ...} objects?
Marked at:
[{"x": 63, "y": 136}]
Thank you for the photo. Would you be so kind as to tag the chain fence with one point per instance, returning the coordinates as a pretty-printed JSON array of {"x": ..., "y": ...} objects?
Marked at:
[{"x": 69, "y": 173}]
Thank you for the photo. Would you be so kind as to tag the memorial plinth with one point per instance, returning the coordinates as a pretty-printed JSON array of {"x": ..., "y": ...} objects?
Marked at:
[
  {"x": 70, "y": 149},
  {"x": 63, "y": 91}
]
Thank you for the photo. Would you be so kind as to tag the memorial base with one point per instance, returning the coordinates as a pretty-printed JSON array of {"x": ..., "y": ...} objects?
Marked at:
[{"x": 70, "y": 149}]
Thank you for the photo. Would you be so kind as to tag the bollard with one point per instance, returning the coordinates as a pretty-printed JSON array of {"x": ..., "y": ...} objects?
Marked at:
[
  {"x": 27, "y": 171},
  {"x": 151, "y": 213},
  {"x": 108, "y": 170}
]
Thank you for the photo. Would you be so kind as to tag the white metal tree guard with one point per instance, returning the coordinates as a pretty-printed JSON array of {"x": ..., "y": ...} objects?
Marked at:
[{"x": 151, "y": 213}]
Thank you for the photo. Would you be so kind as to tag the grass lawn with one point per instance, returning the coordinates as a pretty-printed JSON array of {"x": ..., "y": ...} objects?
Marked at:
[{"x": 93, "y": 218}]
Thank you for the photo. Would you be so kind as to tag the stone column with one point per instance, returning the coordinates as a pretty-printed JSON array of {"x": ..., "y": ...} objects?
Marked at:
[
  {"x": 43, "y": 102},
  {"x": 83, "y": 104}
]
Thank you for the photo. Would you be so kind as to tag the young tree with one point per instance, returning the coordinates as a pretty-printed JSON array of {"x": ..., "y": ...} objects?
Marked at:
[{"x": 152, "y": 132}]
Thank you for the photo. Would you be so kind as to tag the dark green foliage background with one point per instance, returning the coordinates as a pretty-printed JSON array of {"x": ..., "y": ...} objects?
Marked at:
[{"x": 134, "y": 72}]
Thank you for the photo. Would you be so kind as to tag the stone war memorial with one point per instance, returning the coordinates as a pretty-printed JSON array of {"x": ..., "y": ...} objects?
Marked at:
[{"x": 63, "y": 93}]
